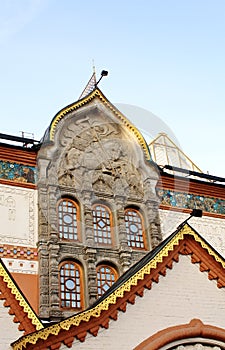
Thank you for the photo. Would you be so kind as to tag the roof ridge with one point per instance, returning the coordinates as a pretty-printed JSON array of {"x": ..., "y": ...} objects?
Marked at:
[{"x": 120, "y": 293}]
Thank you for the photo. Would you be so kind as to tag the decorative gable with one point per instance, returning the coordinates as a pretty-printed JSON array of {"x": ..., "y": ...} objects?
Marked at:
[{"x": 95, "y": 161}]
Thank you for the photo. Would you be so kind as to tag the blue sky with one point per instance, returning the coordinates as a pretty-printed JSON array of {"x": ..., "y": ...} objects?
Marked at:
[{"x": 166, "y": 56}]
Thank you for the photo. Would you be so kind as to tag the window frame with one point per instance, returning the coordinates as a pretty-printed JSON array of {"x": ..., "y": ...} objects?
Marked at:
[
  {"x": 108, "y": 209},
  {"x": 78, "y": 226},
  {"x": 115, "y": 273},
  {"x": 138, "y": 212},
  {"x": 78, "y": 267}
]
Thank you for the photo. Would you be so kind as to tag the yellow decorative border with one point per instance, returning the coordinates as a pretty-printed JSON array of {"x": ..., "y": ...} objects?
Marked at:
[
  {"x": 111, "y": 299},
  {"x": 97, "y": 93},
  {"x": 22, "y": 302}
]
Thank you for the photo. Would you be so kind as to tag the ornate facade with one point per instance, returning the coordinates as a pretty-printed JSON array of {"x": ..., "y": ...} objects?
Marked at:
[
  {"x": 83, "y": 216},
  {"x": 97, "y": 202}
]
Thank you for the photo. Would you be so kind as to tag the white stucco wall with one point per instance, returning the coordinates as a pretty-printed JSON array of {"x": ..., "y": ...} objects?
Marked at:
[
  {"x": 21, "y": 266},
  {"x": 197, "y": 346},
  {"x": 210, "y": 228},
  {"x": 8, "y": 329},
  {"x": 18, "y": 212},
  {"x": 183, "y": 294}
]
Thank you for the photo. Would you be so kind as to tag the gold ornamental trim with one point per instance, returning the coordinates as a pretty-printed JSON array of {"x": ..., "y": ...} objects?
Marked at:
[
  {"x": 119, "y": 293},
  {"x": 98, "y": 94},
  {"x": 22, "y": 302}
]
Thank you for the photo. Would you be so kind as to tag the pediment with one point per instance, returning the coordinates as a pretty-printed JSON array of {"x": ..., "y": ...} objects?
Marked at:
[{"x": 94, "y": 102}]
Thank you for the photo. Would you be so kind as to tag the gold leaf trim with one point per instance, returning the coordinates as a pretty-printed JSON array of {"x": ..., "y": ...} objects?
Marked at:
[
  {"x": 14, "y": 290},
  {"x": 97, "y": 93},
  {"x": 126, "y": 287}
]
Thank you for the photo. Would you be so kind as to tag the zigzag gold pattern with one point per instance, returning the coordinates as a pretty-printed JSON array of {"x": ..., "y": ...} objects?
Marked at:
[
  {"x": 80, "y": 103},
  {"x": 14, "y": 290},
  {"x": 126, "y": 287}
]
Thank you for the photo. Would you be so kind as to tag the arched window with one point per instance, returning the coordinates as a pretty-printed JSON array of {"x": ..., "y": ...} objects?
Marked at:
[
  {"x": 106, "y": 276},
  {"x": 68, "y": 214},
  {"x": 102, "y": 222},
  {"x": 134, "y": 228},
  {"x": 71, "y": 288}
]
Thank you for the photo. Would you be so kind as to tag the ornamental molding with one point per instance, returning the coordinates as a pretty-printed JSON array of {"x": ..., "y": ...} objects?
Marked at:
[
  {"x": 99, "y": 95},
  {"x": 175, "y": 199},
  {"x": 26, "y": 156},
  {"x": 193, "y": 333}
]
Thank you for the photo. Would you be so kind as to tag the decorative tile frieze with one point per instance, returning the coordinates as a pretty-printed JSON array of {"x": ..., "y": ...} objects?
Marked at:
[
  {"x": 18, "y": 252},
  {"x": 17, "y": 172},
  {"x": 190, "y": 201}
]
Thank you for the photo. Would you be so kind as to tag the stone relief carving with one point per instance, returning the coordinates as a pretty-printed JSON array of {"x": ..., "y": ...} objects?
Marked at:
[
  {"x": 92, "y": 156},
  {"x": 9, "y": 203},
  {"x": 99, "y": 157},
  {"x": 13, "y": 203},
  {"x": 88, "y": 130}
]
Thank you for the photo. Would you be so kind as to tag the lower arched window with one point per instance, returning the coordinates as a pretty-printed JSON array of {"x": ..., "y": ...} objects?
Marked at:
[
  {"x": 135, "y": 229},
  {"x": 106, "y": 276},
  {"x": 102, "y": 223},
  {"x": 71, "y": 289}
]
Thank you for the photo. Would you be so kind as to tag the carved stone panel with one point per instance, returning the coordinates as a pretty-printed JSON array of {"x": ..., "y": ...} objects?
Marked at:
[{"x": 18, "y": 214}]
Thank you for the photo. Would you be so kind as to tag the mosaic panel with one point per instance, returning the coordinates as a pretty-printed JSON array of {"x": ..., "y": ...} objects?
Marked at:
[
  {"x": 17, "y": 172},
  {"x": 191, "y": 201}
]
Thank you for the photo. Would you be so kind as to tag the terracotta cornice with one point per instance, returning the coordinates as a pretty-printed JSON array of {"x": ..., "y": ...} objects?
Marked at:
[
  {"x": 185, "y": 242},
  {"x": 18, "y": 155},
  {"x": 18, "y": 184},
  {"x": 194, "y": 329},
  {"x": 185, "y": 185},
  {"x": 18, "y": 306}
]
